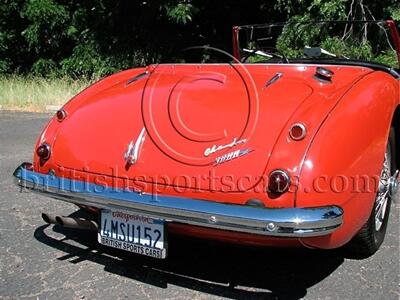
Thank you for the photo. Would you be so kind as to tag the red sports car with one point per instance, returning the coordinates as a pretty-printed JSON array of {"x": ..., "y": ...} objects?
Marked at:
[{"x": 291, "y": 141}]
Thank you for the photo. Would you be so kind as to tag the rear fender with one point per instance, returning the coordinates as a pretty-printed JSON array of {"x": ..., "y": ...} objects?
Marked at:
[
  {"x": 49, "y": 133},
  {"x": 344, "y": 161}
]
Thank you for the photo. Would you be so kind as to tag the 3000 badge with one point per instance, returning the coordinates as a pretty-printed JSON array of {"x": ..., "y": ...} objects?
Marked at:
[{"x": 138, "y": 234}]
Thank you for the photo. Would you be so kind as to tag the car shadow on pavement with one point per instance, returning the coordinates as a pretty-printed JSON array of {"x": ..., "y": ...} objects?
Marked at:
[{"x": 209, "y": 267}]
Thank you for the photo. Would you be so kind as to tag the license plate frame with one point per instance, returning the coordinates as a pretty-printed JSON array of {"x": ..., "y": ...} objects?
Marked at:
[{"x": 133, "y": 232}]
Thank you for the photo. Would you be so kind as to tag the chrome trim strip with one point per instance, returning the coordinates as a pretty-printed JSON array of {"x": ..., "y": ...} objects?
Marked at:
[
  {"x": 283, "y": 222},
  {"x": 274, "y": 79},
  {"x": 137, "y": 77}
]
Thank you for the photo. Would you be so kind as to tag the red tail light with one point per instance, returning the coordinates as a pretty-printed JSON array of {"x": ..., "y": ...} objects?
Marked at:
[
  {"x": 43, "y": 151},
  {"x": 279, "y": 182},
  {"x": 61, "y": 115}
]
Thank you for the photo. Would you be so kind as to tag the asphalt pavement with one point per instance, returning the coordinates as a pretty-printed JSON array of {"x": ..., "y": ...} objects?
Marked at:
[{"x": 38, "y": 261}]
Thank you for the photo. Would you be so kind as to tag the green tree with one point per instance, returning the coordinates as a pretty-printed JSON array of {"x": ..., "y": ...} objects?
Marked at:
[{"x": 98, "y": 37}]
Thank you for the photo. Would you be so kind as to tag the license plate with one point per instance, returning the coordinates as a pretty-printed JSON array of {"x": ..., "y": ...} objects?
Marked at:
[{"x": 131, "y": 232}]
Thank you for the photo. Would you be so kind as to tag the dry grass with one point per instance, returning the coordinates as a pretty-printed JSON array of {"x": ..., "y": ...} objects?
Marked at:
[{"x": 34, "y": 93}]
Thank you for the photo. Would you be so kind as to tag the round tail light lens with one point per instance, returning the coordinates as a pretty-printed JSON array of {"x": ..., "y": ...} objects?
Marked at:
[
  {"x": 43, "y": 151},
  {"x": 297, "y": 132},
  {"x": 61, "y": 115},
  {"x": 279, "y": 182}
]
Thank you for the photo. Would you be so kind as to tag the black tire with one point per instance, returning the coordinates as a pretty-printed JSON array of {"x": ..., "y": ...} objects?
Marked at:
[{"x": 369, "y": 239}]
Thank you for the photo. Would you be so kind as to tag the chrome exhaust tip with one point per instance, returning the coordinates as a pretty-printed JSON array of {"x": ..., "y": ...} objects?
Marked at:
[
  {"x": 49, "y": 219},
  {"x": 69, "y": 222},
  {"x": 75, "y": 223}
]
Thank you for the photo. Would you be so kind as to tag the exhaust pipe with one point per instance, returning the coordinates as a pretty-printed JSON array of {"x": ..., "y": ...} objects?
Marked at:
[
  {"x": 76, "y": 223},
  {"x": 70, "y": 222},
  {"x": 49, "y": 219}
]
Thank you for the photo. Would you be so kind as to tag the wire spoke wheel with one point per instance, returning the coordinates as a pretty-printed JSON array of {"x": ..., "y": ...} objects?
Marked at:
[{"x": 383, "y": 192}]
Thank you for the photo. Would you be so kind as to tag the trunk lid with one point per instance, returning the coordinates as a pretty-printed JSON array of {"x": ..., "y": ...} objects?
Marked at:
[{"x": 203, "y": 127}]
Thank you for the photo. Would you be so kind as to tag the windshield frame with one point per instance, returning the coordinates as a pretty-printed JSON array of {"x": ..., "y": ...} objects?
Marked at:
[{"x": 389, "y": 23}]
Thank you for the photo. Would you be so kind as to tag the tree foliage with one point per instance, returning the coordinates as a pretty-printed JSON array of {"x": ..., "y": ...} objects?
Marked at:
[
  {"x": 360, "y": 41},
  {"x": 99, "y": 37}
]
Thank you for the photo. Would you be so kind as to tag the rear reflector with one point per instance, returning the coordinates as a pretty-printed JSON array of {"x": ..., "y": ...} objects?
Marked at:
[{"x": 297, "y": 132}]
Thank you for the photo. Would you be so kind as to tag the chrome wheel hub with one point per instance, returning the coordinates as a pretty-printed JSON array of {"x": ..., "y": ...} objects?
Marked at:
[
  {"x": 384, "y": 192},
  {"x": 394, "y": 183}
]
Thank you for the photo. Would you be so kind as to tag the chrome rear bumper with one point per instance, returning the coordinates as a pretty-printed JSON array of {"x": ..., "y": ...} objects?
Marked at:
[{"x": 282, "y": 222}]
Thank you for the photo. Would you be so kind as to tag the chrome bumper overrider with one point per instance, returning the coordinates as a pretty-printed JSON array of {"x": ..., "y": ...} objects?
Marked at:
[{"x": 282, "y": 222}]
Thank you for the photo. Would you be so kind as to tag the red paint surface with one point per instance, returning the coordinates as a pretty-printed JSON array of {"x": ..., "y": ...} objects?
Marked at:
[{"x": 347, "y": 124}]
